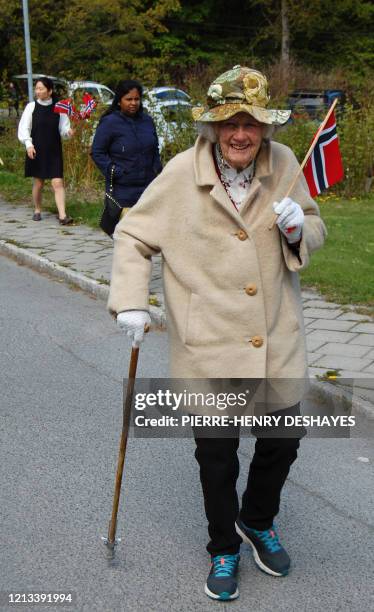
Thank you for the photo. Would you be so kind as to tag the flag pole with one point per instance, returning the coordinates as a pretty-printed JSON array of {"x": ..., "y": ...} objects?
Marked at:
[{"x": 292, "y": 185}]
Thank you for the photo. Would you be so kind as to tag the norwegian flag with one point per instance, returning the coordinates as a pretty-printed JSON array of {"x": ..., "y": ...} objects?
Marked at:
[
  {"x": 89, "y": 105},
  {"x": 65, "y": 107},
  {"x": 324, "y": 166}
]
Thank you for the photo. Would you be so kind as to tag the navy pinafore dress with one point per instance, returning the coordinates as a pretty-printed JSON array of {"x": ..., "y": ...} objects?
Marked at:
[{"x": 46, "y": 139}]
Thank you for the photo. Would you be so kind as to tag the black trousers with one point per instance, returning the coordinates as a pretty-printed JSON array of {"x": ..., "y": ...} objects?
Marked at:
[{"x": 219, "y": 470}]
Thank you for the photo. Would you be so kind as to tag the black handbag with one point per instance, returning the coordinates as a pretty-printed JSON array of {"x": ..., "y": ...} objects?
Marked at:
[{"x": 112, "y": 210}]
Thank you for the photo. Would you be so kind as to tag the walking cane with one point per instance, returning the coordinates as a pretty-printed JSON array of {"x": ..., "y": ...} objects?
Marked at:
[{"x": 111, "y": 541}]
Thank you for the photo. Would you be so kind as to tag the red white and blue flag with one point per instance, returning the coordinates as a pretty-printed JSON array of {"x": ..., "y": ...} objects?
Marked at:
[
  {"x": 89, "y": 105},
  {"x": 65, "y": 107},
  {"x": 324, "y": 166}
]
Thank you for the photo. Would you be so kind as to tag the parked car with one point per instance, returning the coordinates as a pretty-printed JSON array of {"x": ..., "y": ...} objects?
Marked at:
[
  {"x": 101, "y": 93},
  {"x": 170, "y": 108},
  {"x": 314, "y": 104},
  {"x": 163, "y": 94}
]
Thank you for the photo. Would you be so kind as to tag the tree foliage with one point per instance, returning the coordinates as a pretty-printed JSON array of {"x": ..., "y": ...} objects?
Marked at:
[{"x": 163, "y": 39}]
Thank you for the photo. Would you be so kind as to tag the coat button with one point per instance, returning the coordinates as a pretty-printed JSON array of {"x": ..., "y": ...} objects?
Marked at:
[
  {"x": 251, "y": 289},
  {"x": 257, "y": 341},
  {"x": 242, "y": 235}
]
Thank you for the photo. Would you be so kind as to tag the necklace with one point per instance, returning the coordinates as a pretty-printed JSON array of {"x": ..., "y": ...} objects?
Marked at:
[
  {"x": 224, "y": 166},
  {"x": 236, "y": 183}
]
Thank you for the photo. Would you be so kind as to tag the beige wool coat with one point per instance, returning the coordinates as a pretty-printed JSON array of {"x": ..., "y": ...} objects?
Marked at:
[{"x": 231, "y": 285}]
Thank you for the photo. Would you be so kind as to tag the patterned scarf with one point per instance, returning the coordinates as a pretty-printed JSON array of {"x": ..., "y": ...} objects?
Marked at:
[{"x": 236, "y": 183}]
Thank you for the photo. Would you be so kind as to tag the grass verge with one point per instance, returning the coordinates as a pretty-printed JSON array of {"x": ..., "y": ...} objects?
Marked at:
[
  {"x": 84, "y": 207},
  {"x": 15, "y": 188},
  {"x": 343, "y": 270}
]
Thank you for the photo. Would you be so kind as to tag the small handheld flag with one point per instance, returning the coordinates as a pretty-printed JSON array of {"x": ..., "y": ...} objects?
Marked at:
[
  {"x": 65, "y": 107},
  {"x": 89, "y": 105},
  {"x": 324, "y": 166},
  {"x": 334, "y": 172}
]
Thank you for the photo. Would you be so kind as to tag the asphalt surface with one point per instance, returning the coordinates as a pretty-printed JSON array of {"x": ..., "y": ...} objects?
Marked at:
[{"x": 61, "y": 366}]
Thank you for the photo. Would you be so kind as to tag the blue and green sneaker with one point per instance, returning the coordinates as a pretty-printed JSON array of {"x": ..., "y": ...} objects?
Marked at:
[
  {"x": 221, "y": 583},
  {"x": 268, "y": 552}
]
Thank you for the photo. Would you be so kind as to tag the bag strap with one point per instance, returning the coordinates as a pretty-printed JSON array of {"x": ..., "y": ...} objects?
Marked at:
[{"x": 111, "y": 178}]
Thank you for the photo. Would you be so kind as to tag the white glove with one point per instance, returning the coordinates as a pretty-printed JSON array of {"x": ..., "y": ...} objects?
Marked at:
[
  {"x": 290, "y": 220},
  {"x": 133, "y": 323}
]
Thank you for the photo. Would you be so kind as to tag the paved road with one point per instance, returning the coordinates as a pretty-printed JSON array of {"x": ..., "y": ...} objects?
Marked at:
[{"x": 61, "y": 365}]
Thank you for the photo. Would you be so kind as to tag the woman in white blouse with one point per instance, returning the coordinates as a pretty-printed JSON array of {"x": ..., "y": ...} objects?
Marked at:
[{"x": 40, "y": 130}]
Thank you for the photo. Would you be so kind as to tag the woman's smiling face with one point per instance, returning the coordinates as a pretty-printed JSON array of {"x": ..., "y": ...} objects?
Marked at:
[{"x": 240, "y": 138}]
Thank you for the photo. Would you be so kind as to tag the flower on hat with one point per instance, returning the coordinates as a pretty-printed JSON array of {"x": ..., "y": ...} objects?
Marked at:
[
  {"x": 215, "y": 92},
  {"x": 256, "y": 89}
]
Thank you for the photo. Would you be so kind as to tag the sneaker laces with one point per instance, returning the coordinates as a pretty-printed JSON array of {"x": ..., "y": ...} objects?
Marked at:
[
  {"x": 270, "y": 539},
  {"x": 224, "y": 566}
]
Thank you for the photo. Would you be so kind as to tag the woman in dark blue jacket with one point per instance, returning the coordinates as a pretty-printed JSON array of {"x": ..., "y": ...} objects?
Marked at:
[{"x": 126, "y": 138}]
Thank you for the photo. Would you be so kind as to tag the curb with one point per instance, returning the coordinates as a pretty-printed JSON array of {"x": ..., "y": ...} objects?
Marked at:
[
  {"x": 335, "y": 394},
  {"x": 326, "y": 392},
  {"x": 90, "y": 285}
]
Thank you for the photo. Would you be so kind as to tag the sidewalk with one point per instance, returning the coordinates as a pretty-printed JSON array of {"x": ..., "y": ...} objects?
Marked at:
[{"x": 338, "y": 338}]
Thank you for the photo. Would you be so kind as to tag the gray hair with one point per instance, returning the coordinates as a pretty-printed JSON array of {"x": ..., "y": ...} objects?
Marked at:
[{"x": 207, "y": 131}]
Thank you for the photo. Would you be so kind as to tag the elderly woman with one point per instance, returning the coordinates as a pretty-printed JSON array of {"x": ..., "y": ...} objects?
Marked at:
[{"x": 232, "y": 295}]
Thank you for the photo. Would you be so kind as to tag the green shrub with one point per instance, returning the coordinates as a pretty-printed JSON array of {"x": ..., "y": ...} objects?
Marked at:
[
  {"x": 356, "y": 135},
  {"x": 297, "y": 136},
  {"x": 184, "y": 136},
  {"x": 79, "y": 169},
  {"x": 12, "y": 152}
]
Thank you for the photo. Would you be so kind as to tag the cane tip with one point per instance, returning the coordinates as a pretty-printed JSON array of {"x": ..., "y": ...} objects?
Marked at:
[
  {"x": 109, "y": 548},
  {"x": 110, "y": 554}
]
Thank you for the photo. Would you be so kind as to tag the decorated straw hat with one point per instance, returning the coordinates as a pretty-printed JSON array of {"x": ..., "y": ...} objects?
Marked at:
[{"x": 238, "y": 90}]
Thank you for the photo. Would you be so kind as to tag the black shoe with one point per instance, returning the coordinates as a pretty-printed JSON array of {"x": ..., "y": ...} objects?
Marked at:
[
  {"x": 65, "y": 221},
  {"x": 221, "y": 583},
  {"x": 36, "y": 217},
  {"x": 268, "y": 552}
]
